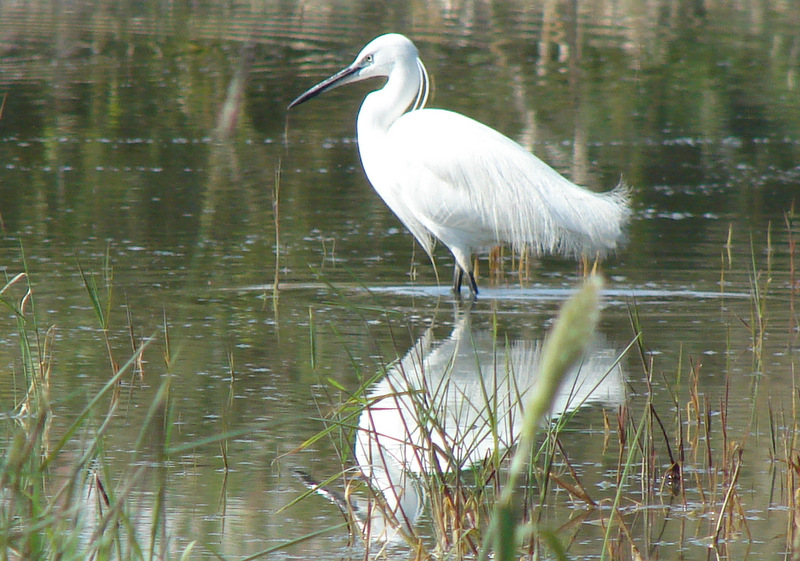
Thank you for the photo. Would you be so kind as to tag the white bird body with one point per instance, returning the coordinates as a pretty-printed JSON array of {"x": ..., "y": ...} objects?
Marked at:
[{"x": 451, "y": 178}]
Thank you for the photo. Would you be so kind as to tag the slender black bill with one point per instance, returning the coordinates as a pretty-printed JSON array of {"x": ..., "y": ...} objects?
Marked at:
[{"x": 340, "y": 78}]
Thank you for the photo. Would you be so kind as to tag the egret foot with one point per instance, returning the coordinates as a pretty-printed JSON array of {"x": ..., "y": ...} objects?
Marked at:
[{"x": 458, "y": 278}]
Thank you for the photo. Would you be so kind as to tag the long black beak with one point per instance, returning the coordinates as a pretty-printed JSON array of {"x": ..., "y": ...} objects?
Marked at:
[{"x": 340, "y": 78}]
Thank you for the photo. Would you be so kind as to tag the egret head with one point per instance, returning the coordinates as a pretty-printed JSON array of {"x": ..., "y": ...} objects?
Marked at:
[{"x": 377, "y": 60}]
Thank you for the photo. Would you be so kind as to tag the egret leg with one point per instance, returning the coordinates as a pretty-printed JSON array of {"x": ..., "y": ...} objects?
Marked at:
[
  {"x": 459, "y": 271},
  {"x": 473, "y": 286},
  {"x": 458, "y": 277}
]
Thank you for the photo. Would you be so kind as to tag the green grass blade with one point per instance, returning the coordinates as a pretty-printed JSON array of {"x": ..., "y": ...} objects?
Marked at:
[{"x": 563, "y": 346}]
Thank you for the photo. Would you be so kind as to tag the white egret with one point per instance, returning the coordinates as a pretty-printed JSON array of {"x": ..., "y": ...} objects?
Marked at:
[{"x": 451, "y": 178}]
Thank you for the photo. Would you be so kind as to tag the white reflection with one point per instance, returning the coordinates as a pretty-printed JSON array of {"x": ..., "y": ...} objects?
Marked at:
[{"x": 449, "y": 405}]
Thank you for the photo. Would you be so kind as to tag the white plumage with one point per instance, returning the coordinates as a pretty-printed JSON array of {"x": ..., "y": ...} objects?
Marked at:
[{"x": 454, "y": 179}]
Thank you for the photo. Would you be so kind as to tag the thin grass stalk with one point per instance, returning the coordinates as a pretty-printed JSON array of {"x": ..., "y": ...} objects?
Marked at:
[
  {"x": 102, "y": 309},
  {"x": 89, "y": 408},
  {"x": 758, "y": 322},
  {"x": 290, "y": 543},
  {"x": 793, "y": 487},
  {"x": 138, "y": 370},
  {"x": 727, "y": 506},
  {"x": 648, "y": 452},
  {"x": 276, "y": 211},
  {"x": 794, "y": 284},
  {"x": 643, "y": 423}
]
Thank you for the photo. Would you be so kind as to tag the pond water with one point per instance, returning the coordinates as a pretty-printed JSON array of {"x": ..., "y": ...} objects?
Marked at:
[{"x": 109, "y": 165}]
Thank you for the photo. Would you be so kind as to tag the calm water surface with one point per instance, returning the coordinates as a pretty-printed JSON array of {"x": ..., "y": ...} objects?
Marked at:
[{"x": 107, "y": 164}]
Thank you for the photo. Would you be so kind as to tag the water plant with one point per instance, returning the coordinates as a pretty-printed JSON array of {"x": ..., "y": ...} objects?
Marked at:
[
  {"x": 671, "y": 473},
  {"x": 60, "y": 500},
  {"x": 679, "y": 462},
  {"x": 438, "y": 426}
]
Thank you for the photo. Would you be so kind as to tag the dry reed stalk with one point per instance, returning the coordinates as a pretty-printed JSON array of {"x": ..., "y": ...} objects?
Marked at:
[{"x": 725, "y": 522}]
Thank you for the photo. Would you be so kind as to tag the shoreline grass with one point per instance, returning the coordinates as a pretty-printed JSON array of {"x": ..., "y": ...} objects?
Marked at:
[{"x": 59, "y": 499}]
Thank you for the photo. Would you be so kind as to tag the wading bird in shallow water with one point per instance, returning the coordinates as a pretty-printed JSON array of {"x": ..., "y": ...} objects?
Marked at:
[{"x": 451, "y": 178}]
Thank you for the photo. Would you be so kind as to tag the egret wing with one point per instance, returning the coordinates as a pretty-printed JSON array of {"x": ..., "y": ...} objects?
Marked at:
[{"x": 473, "y": 187}]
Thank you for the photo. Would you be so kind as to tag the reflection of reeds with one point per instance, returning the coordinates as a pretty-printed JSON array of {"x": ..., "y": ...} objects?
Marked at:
[{"x": 228, "y": 116}]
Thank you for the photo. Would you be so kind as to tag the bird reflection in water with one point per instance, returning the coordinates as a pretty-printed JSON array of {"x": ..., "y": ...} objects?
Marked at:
[{"x": 449, "y": 405}]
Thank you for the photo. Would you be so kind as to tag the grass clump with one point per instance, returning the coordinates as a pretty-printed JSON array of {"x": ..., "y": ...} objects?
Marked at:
[
  {"x": 437, "y": 429},
  {"x": 677, "y": 467},
  {"x": 60, "y": 499}
]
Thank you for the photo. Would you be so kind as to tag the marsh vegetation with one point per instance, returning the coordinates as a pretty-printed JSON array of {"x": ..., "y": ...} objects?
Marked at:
[{"x": 161, "y": 400}]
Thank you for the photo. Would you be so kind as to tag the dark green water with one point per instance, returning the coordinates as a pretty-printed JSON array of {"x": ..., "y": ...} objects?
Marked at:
[{"x": 107, "y": 161}]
